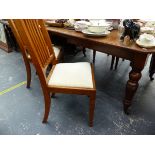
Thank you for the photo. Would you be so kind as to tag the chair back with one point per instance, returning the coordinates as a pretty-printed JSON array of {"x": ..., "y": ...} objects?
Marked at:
[
  {"x": 18, "y": 38},
  {"x": 35, "y": 39}
]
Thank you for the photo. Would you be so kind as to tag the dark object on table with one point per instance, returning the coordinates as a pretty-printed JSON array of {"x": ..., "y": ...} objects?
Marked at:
[
  {"x": 131, "y": 29},
  {"x": 152, "y": 67},
  {"x": 61, "y": 20}
]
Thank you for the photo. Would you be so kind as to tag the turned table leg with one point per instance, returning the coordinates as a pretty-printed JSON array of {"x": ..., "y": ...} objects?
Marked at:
[{"x": 138, "y": 64}]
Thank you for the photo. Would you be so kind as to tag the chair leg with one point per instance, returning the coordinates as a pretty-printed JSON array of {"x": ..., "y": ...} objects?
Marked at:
[
  {"x": 91, "y": 109},
  {"x": 152, "y": 67},
  {"x": 94, "y": 55},
  {"x": 28, "y": 70},
  {"x": 151, "y": 76},
  {"x": 28, "y": 76},
  {"x": 116, "y": 64},
  {"x": 112, "y": 62},
  {"x": 47, "y": 99},
  {"x": 84, "y": 51},
  {"x": 53, "y": 95}
]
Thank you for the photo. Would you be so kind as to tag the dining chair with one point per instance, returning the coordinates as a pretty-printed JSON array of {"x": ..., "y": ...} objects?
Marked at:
[
  {"x": 26, "y": 56},
  {"x": 152, "y": 67},
  {"x": 67, "y": 78},
  {"x": 114, "y": 59}
]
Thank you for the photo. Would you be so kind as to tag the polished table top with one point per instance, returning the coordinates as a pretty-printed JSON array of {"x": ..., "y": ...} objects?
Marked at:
[{"x": 112, "y": 39}]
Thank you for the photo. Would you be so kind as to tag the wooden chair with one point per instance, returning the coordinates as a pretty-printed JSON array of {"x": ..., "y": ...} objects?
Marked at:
[
  {"x": 152, "y": 67},
  {"x": 68, "y": 78},
  {"x": 114, "y": 59},
  {"x": 26, "y": 56}
]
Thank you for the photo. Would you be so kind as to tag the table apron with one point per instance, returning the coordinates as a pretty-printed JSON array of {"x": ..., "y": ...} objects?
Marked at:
[{"x": 114, "y": 50}]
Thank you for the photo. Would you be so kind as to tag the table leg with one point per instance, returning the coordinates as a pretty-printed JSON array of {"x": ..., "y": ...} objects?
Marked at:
[{"x": 138, "y": 64}]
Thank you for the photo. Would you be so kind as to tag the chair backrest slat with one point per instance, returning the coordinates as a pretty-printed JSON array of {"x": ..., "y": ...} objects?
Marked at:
[
  {"x": 46, "y": 35},
  {"x": 38, "y": 40},
  {"x": 41, "y": 39}
]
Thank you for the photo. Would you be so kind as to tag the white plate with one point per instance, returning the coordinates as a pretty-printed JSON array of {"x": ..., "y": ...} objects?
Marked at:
[
  {"x": 150, "y": 24},
  {"x": 149, "y": 30},
  {"x": 110, "y": 28},
  {"x": 88, "y": 33},
  {"x": 79, "y": 30},
  {"x": 146, "y": 45}
]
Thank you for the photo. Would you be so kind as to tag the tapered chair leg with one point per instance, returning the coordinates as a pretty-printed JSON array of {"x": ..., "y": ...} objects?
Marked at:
[
  {"x": 47, "y": 106},
  {"x": 112, "y": 62},
  {"x": 94, "y": 55},
  {"x": 152, "y": 67},
  {"x": 91, "y": 109},
  {"x": 151, "y": 76},
  {"x": 116, "y": 63},
  {"x": 53, "y": 95},
  {"x": 28, "y": 70},
  {"x": 28, "y": 78}
]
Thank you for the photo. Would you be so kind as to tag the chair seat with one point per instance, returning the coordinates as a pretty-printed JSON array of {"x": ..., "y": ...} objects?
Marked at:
[
  {"x": 56, "y": 51},
  {"x": 72, "y": 75}
]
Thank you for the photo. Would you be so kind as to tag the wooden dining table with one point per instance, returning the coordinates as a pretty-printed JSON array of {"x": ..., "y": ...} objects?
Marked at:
[{"x": 111, "y": 44}]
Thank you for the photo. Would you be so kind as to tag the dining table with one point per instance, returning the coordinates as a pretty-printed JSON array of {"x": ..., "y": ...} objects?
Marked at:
[{"x": 111, "y": 44}]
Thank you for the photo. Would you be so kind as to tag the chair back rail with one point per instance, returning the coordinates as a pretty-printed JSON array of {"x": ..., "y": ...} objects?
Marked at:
[{"x": 29, "y": 30}]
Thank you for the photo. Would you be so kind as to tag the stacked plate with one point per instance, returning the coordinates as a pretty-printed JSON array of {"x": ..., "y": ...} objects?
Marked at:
[
  {"x": 80, "y": 25},
  {"x": 150, "y": 24},
  {"x": 96, "y": 31},
  {"x": 146, "y": 29},
  {"x": 93, "y": 28},
  {"x": 146, "y": 40}
]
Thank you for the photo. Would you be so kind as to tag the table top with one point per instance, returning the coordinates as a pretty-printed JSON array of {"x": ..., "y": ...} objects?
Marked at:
[{"x": 112, "y": 39}]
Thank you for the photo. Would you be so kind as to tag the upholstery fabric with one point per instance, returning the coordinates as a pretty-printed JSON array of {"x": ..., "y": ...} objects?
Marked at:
[
  {"x": 72, "y": 75},
  {"x": 56, "y": 51}
]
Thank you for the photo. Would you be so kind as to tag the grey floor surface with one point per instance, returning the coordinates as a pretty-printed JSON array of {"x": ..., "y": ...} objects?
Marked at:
[{"x": 21, "y": 110}]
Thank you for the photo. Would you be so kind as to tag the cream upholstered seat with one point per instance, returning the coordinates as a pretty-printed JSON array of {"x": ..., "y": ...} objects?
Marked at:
[
  {"x": 56, "y": 51},
  {"x": 72, "y": 75}
]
